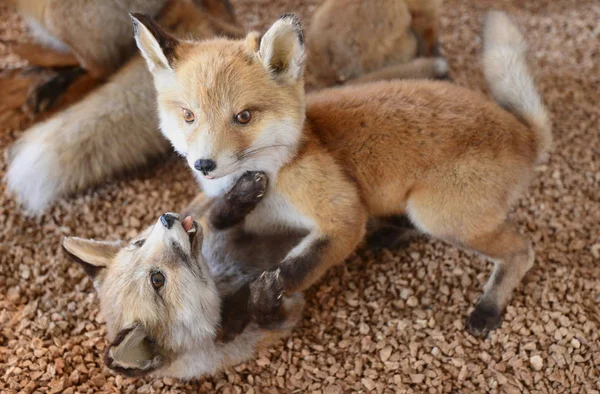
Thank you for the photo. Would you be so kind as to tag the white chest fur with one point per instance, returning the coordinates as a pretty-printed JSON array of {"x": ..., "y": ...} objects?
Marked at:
[
  {"x": 275, "y": 214},
  {"x": 216, "y": 187}
]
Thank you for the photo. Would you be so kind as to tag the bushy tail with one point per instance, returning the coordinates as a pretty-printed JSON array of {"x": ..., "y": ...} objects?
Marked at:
[
  {"x": 505, "y": 70},
  {"x": 111, "y": 131}
]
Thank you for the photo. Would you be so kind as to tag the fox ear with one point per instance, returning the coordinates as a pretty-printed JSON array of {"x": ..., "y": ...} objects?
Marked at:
[
  {"x": 156, "y": 45},
  {"x": 282, "y": 49},
  {"x": 133, "y": 353},
  {"x": 93, "y": 256}
]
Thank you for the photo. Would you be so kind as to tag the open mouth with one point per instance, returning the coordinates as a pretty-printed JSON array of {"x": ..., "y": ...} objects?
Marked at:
[{"x": 191, "y": 228}]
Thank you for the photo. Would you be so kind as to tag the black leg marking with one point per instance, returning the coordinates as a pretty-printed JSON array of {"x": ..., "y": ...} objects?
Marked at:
[
  {"x": 44, "y": 96},
  {"x": 391, "y": 233},
  {"x": 267, "y": 290},
  {"x": 235, "y": 315},
  {"x": 243, "y": 197},
  {"x": 388, "y": 237}
]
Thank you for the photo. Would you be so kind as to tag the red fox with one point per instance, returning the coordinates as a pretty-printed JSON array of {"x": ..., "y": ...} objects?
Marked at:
[
  {"x": 450, "y": 159},
  {"x": 183, "y": 290},
  {"x": 104, "y": 134}
]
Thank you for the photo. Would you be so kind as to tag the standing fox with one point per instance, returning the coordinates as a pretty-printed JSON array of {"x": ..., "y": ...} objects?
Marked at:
[
  {"x": 114, "y": 129},
  {"x": 451, "y": 160}
]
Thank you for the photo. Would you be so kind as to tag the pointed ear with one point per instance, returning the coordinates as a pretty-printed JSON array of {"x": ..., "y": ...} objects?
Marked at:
[
  {"x": 93, "y": 256},
  {"x": 133, "y": 353},
  {"x": 282, "y": 49},
  {"x": 156, "y": 45}
]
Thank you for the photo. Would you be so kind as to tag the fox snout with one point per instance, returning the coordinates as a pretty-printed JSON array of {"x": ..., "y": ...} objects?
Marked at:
[
  {"x": 170, "y": 222},
  {"x": 167, "y": 220},
  {"x": 205, "y": 166}
]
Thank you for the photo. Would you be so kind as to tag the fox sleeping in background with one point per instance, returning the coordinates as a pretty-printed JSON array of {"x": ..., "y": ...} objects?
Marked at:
[
  {"x": 447, "y": 157},
  {"x": 114, "y": 129}
]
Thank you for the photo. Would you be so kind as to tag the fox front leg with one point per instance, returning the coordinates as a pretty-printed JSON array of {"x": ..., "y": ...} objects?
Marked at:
[
  {"x": 243, "y": 197},
  {"x": 306, "y": 263}
]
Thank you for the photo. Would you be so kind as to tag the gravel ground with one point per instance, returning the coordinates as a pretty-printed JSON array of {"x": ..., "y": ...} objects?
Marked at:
[{"x": 389, "y": 321}]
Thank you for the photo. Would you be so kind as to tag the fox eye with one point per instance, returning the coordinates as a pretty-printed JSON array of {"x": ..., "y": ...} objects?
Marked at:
[
  {"x": 188, "y": 115},
  {"x": 157, "y": 279},
  {"x": 139, "y": 243},
  {"x": 243, "y": 117}
]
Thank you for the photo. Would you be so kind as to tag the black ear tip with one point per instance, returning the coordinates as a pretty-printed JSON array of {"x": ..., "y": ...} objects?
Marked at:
[
  {"x": 138, "y": 17},
  {"x": 293, "y": 18},
  {"x": 294, "y": 21}
]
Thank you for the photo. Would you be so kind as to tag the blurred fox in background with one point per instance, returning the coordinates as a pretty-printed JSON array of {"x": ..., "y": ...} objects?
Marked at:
[{"x": 114, "y": 128}]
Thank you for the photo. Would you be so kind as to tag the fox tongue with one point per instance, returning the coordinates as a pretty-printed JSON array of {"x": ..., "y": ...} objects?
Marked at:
[{"x": 187, "y": 223}]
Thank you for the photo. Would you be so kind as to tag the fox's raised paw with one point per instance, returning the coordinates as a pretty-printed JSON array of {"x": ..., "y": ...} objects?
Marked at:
[
  {"x": 243, "y": 197},
  {"x": 249, "y": 189},
  {"x": 266, "y": 299}
]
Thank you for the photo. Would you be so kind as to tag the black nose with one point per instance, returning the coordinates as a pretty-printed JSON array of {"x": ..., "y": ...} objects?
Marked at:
[
  {"x": 205, "y": 165},
  {"x": 167, "y": 220}
]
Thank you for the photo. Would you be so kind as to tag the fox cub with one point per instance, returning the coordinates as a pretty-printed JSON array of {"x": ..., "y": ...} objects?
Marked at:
[
  {"x": 450, "y": 159},
  {"x": 169, "y": 295}
]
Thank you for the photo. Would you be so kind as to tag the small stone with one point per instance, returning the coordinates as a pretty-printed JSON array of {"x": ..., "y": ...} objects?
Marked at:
[
  {"x": 385, "y": 353},
  {"x": 575, "y": 343},
  {"x": 368, "y": 383},
  {"x": 263, "y": 361},
  {"x": 536, "y": 362},
  {"x": 412, "y": 301},
  {"x": 595, "y": 249},
  {"x": 417, "y": 378}
]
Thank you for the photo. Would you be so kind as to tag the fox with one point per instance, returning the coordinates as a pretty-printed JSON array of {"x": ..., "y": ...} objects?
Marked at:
[
  {"x": 114, "y": 129},
  {"x": 362, "y": 41},
  {"x": 166, "y": 293},
  {"x": 449, "y": 158}
]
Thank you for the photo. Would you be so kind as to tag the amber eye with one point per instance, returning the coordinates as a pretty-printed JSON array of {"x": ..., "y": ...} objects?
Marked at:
[
  {"x": 188, "y": 115},
  {"x": 157, "y": 279},
  {"x": 243, "y": 117}
]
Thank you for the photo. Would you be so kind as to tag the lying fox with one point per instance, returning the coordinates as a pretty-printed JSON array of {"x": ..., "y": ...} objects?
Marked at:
[
  {"x": 114, "y": 129},
  {"x": 450, "y": 159},
  {"x": 169, "y": 294}
]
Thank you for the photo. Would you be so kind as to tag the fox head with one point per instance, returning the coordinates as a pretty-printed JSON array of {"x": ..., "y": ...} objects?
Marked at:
[
  {"x": 228, "y": 106},
  {"x": 156, "y": 294}
]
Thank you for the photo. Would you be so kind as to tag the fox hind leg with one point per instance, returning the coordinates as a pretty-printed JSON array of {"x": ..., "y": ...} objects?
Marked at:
[{"x": 489, "y": 234}]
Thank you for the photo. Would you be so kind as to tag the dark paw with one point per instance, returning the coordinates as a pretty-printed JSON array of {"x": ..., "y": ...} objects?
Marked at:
[
  {"x": 484, "y": 319},
  {"x": 249, "y": 189},
  {"x": 43, "y": 96},
  {"x": 243, "y": 197},
  {"x": 266, "y": 299}
]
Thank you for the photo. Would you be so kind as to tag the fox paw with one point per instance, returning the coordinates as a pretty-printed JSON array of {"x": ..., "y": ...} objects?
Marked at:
[
  {"x": 483, "y": 319},
  {"x": 248, "y": 190},
  {"x": 266, "y": 299},
  {"x": 243, "y": 197}
]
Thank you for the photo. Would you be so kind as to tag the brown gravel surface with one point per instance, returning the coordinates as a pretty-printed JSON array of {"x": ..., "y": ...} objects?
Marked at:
[{"x": 390, "y": 321}]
